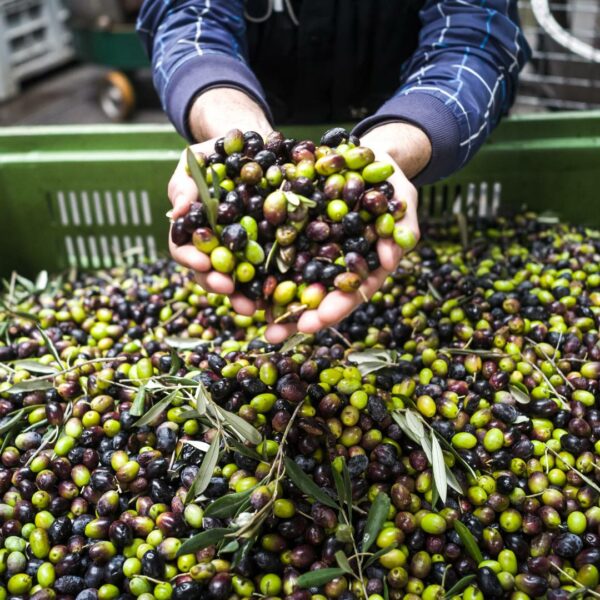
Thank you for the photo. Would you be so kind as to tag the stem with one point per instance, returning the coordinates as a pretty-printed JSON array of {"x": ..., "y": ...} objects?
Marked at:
[
  {"x": 577, "y": 583},
  {"x": 150, "y": 578},
  {"x": 290, "y": 313},
  {"x": 74, "y": 368},
  {"x": 360, "y": 576},
  {"x": 344, "y": 339},
  {"x": 551, "y": 361}
]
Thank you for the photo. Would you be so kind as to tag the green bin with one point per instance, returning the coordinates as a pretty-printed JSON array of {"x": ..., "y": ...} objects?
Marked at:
[{"x": 92, "y": 196}]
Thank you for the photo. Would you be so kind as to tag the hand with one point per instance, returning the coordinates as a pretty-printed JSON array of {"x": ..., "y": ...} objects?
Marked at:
[
  {"x": 212, "y": 115},
  {"x": 182, "y": 192},
  {"x": 338, "y": 305}
]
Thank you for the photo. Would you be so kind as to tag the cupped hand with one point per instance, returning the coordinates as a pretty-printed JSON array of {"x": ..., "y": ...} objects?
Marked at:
[
  {"x": 182, "y": 191},
  {"x": 337, "y": 305}
]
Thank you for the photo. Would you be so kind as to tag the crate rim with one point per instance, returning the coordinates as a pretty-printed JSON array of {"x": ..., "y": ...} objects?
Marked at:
[{"x": 111, "y": 128}]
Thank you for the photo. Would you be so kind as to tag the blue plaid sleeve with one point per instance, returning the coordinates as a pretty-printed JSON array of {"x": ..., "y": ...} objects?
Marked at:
[
  {"x": 461, "y": 79},
  {"x": 195, "y": 45}
]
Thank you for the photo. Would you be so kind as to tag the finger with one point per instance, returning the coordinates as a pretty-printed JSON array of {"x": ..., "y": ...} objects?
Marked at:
[
  {"x": 374, "y": 281},
  {"x": 277, "y": 333},
  {"x": 215, "y": 282},
  {"x": 337, "y": 305},
  {"x": 310, "y": 322},
  {"x": 182, "y": 190},
  {"x": 189, "y": 257},
  {"x": 411, "y": 218},
  {"x": 242, "y": 305},
  {"x": 389, "y": 253}
]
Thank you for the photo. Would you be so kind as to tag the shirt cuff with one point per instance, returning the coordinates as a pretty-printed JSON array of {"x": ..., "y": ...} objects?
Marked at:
[
  {"x": 438, "y": 122},
  {"x": 200, "y": 73}
]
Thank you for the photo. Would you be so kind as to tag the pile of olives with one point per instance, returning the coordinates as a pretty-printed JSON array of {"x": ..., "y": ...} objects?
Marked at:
[
  {"x": 107, "y": 384},
  {"x": 294, "y": 220}
]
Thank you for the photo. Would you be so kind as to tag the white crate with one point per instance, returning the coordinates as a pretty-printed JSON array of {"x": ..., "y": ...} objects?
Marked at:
[
  {"x": 33, "y": 39},
  {"x": 556, "y": 78}
]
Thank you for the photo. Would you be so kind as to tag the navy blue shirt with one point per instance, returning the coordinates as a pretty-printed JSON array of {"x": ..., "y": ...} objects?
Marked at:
[{"x": 458, "y": 83}]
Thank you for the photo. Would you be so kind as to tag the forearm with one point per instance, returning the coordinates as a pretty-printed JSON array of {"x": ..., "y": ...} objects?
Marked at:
[
  {"x": 218, "y": 110},
  {"x": 460, "y": 80},
  {"x": 194, "y": 51},
  {"x": 408, "y": 145}
]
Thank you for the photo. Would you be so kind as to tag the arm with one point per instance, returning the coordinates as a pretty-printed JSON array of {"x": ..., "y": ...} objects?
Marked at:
[
  {"x": 198, "y": 52},
  {"x": 455, "y": 88}
]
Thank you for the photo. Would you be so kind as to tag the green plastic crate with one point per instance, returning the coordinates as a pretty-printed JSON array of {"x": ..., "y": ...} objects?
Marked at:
[{"x": 88, "y": 197}]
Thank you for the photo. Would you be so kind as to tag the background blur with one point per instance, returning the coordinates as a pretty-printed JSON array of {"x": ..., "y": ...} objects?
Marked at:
[{"x": 74, "y": 61}]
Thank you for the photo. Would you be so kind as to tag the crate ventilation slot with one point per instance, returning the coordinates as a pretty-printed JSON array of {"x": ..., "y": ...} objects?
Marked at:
[
  {"x": 474, "y": 200},
  {"x": 95, "y": 222}
]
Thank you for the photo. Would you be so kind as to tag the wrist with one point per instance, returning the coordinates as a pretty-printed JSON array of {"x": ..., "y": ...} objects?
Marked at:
[
  {"x": 218, "y": 110},
  {"x": 407, "y": 144}
]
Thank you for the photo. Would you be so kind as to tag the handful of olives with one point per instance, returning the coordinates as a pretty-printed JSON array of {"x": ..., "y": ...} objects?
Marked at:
[{"x": 290, "y": 220}]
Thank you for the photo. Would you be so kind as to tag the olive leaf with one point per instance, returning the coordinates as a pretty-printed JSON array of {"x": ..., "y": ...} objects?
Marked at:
[
  {"x": 242, "y": 552},
  {"x": 33, "y": 366},
  {"x": 452, "y": 450},
  {"x": 175, "y": 362},
  {"x": 307, "y": 201},
  {"x": 271, "y": 254},
  {"x": 377, "y": 516},
  {"x": 469, "y": 542},
  {"x": 202, "y": 399},
  {"x": 51, "y": 347},
  {"x": 439, "y": 469},
  {"x": 196, "y": 444},
  {"x": 400, "y": 418},
  {"x": 156, "y": 410},
  {"x": 19, "y": 313},
  {"x": 241, "y": 428},
  {"x": 520, "y": 419},
  {"x": 344, "y": 494},
  {"x": 26, "y": 283},
  {"x": 30, "y": 385},
  {"x": 415, "y": 423},
  {"x": 228, "y": 505},
  {"x": 209, "y": 462},
  {"x": 305, "y": 484},
  {"x": 292, "y": 199},
  {"x": 342, "y": 561},
  {"x": 372, "y": 360},
  {"x": 459, "y": 586},
  {"x": 203, "y": 539},
  {"x": 180, "y": 343},
  {"x": 244, "y": 450},
  {"x": 189, "y": 414},
  {"x": 347, "y": 488},
  {"x": 453, "y": 482},
  {"x": 426, "y": 446},
  {"x": 281, "y": 264},
  {"x": 343, "y": 486},
  {"x": 386, "y": 592},
  {"x": 379, "y": 553},
  {"x": 210, "y": 204},
  {"x": 137, "y": 407},
  {"x": 41, "y": 281},
  {"x": 319, "y": 577},
  {"x": 8, "y": 425},
  {"x": 292, "y": 342},
  {"x": 519, "y": 392},
  {"x": 231, "y": 546},
  {"x": 433, "y": 291},
  {"x": 480, "y": 353}
]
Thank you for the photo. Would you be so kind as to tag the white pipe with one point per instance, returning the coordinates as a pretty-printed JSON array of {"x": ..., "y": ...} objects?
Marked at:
[{"x": 541, "y": 11}]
